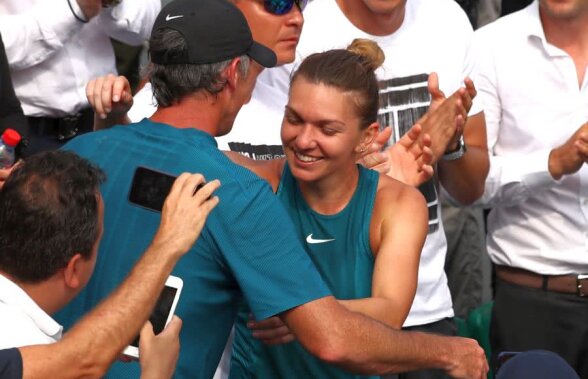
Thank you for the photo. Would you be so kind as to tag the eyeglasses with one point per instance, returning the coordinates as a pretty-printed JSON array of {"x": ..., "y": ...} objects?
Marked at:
[{"x": 280, "y": 7}]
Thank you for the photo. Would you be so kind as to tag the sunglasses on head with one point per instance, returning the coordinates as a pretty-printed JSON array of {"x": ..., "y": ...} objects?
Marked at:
[{"x": 280, "y": 7}]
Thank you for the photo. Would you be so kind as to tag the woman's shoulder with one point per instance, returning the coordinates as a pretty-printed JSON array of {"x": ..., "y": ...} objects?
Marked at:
[{"x": 394, "y": 191}]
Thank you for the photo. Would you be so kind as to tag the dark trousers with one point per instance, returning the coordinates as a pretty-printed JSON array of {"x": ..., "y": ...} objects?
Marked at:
[
  {"x": 526, "y": 318},
  {"x": 444, "y": 327},
  {"x": 47, "y": 133}
]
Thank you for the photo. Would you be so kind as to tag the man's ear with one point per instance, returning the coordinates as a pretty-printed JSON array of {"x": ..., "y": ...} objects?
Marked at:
[
  {"x": 368, "y": 135},
  {"x": 233, "y": 74},
  {"x": 71, "y": 272}
]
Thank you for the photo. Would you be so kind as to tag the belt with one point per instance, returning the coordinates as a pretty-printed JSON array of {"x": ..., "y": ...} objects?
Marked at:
[
  {"x": 574, "y": 284},
  {"x": 63, "y": 128}
]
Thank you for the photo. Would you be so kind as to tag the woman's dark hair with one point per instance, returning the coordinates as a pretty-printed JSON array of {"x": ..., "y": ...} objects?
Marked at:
[{"x": 350, "y": 70}]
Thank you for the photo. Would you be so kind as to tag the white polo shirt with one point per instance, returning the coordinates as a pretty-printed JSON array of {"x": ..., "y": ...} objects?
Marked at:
[{"x": 22, "y": 321}]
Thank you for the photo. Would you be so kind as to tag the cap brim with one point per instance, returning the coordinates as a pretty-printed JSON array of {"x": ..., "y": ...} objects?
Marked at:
[{"x": 262, "y": 55}]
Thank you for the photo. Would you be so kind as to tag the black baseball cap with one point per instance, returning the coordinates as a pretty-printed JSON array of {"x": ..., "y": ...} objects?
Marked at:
[{"x": 214, "y": 30}]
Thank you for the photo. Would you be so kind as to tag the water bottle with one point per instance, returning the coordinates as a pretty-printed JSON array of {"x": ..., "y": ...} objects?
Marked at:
[{"x": 9, "y": 141}]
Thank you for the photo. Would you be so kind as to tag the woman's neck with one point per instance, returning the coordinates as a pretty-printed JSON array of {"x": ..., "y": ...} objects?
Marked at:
[{"x": 331, "y": 194}]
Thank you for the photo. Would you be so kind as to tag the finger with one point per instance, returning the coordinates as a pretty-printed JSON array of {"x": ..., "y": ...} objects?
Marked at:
[
  {"x": 147, "y": 332},
  {"x": 106, "y": 92},
  {"x": 582, "y": 148},
  {"x": 382, "y": 138},
  {"x": 90, "y": 92},
  {"x": 177, "y": 186},
  {"x": 98, "y": 108},
  {"x": 173, "y": 328},
  {"x": 120, "y": 86},
  {"x": 190, "y": 186},
  {"x": 269, "y": 323},
  {"x": 433, "y": 85},
  {"x": 205, "y": 193},
  {"x": 426, "y": 157},
  {"x": 470, "y": 86},
  {"x": 411, "y": 136},
  {"x": 374, "y": 159},
  {"x": 269, "y": 334}
]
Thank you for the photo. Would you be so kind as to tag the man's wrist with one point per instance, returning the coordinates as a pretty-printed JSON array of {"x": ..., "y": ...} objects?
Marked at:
[{"x": 457, "y": 152}]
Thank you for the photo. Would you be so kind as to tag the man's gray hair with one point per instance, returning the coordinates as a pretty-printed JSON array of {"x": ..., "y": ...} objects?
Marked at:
[{"x": 174, "y": 81}]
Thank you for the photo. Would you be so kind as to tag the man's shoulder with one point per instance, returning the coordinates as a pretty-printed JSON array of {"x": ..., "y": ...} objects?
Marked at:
[{"x": 18, "y": 329}]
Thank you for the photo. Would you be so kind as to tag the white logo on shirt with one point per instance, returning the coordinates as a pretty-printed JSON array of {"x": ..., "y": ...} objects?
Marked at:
[
  {"x": 309, "y": 239},
  {"x": 169, "y": 18}
]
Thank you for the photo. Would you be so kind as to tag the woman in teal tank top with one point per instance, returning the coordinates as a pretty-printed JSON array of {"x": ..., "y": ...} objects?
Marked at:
[{"x": 363, "y": 230}]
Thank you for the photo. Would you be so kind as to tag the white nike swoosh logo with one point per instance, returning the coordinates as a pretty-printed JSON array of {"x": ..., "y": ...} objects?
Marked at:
[
  {"x": 309, "y": 239},
  {"x": 169, "y": 18}
]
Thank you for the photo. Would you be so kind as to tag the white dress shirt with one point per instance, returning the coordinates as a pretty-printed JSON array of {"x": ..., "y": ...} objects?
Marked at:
[
  {"x": 52, "y": 55},
  {"x": 533, "y": 103},
  {"x": 22, "y": 321}
]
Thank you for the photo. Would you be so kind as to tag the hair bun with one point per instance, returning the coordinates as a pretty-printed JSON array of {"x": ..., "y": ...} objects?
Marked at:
[{"x": 372, "y": 54}]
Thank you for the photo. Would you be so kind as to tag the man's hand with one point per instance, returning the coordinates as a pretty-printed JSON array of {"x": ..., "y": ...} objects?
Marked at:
[
  {"x": 411, "y": 157},
  {"x": 185, "y": 211},
  {"x": 110, "y": 97},
  {"x": 374, "y": 158},
  {"x": 5, "y": 173},
  {"x": 271, "y": 331},
  {"x": 446, "y": 118},
  {"x": 158, "y": 355},
  {"x": 408, "y": 160},
  {"x": 569, "y": 157},
  {"x": 468, "y": 359},
  {"x": 91, "y": 8}
]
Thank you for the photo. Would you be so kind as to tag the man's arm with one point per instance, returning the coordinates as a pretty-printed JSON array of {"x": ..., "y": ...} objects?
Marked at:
[
  {"x": 130, "y": 21},
  {"x": 361, "y": 345},
  {"x": 34, "y": 36},
  {"x": 91, "y": 346},
  {"x": 464, "y": 178}
]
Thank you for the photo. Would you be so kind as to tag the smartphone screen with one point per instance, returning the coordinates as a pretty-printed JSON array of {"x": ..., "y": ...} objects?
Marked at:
[
  {"x": 161, "y": 312},
  {"x": 150, "y": 188}
]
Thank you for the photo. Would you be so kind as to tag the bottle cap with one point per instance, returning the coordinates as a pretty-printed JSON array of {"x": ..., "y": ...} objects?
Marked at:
[{"x": 11, "y": 137}]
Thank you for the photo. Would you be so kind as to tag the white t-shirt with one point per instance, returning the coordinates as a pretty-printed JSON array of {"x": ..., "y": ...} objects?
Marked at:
[
  {"x": 434, "y": 37},
  {"x": 438, "y": 40},
  {"x": 22, "y": 321},
  {"x": 256, "y": 130}
]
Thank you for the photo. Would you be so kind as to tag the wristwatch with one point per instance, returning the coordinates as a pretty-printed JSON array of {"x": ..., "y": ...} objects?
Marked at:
[{"x": 457, "y": 153}]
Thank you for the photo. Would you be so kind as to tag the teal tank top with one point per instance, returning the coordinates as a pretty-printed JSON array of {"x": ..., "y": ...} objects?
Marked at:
[{"x": 339, "y": 246}]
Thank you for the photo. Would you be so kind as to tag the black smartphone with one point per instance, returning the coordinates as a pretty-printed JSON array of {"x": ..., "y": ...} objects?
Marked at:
[{"x": 150, "y": 188}]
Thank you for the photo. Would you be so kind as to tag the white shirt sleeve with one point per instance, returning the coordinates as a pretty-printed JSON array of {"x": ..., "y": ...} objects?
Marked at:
[
  {"x": 130, "y": 21},
  {"x": 32, "y": 37},
  {"x": 514, "y": 177}
]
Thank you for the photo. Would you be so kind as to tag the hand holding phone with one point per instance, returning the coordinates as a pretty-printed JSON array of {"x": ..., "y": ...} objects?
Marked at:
[
  {"x": 162, "y": 313},
  {"x": 159, "y": 353}
]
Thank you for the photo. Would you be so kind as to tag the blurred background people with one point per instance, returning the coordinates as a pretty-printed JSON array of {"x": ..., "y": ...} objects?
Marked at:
[
  {"x": 533, "y": 80},
  {"x": 55, "y": 48}
]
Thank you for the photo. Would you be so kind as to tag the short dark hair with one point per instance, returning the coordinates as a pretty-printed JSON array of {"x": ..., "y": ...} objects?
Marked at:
[
  {"x": 171, "y": 82},
  {"x": 48, "y": 213}
]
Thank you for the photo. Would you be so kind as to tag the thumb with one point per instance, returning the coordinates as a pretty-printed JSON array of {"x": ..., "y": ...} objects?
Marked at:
[
  {"x": 383, "y": 137},
  {"x": 174, "y": 326},
  {"x": 147, "y": 332},
  {"x": 433, "y": 85}
]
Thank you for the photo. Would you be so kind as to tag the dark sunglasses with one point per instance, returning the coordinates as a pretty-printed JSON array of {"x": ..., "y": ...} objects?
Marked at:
[{"x": 280, "y": 7}]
